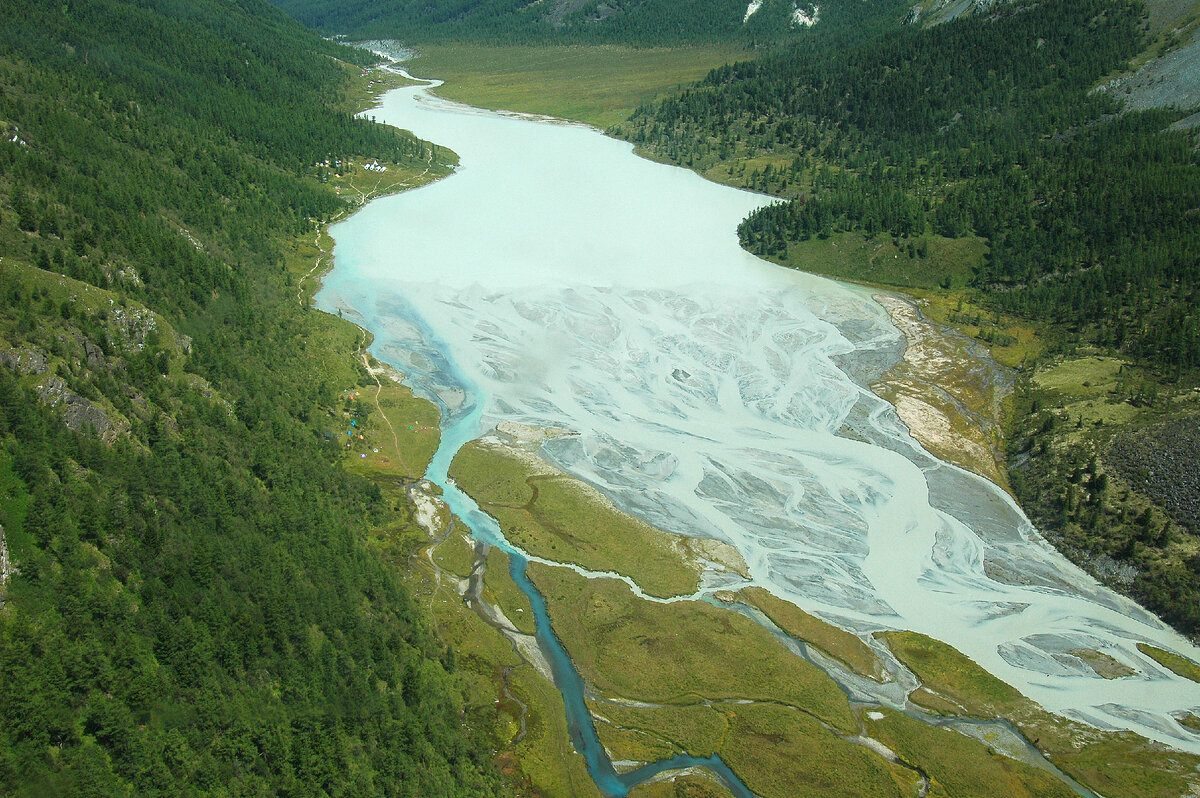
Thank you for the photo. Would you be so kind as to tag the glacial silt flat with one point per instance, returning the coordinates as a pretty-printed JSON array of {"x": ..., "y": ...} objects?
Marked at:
[{"x": 558, "y": 280}]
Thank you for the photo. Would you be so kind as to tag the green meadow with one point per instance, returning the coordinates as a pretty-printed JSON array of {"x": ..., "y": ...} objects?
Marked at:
[{"x": 599, "y": 85}]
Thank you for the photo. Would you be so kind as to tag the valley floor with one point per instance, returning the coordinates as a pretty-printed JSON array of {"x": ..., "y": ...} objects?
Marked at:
[{"x": 778, "y": 727}]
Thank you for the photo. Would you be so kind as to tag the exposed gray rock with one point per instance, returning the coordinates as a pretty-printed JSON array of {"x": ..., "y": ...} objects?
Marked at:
[
  {"x": 25, "y": 361},
  {"x": 946, "y": 10},
  {"x": 1163, "y": 461},
  {"x": 1169, "y": 81},
  {"x": 1168, "y": 14},
  {"x": 129, "y": 276},
  {"x": 7, "y": 568},
  {"x": 1187, "y": 123},
  {"x": 80, "y": 414},
  {"x": 95, "y": 355},
  {"x": 1112, "y": 572},
  {"x": 134, "y": 323}
]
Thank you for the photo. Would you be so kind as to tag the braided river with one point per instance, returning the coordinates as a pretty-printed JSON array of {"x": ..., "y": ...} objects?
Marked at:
[{"x": 558, "y": 280}]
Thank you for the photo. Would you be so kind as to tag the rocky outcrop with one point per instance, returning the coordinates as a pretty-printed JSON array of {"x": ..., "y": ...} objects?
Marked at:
[
  {"x": 7, "y": 569},
  {"x": 1164, "y": 463},
  {"x": 24, "y": 361},
  {"x": 94, "y": 355},
  {"x": 129, "y": 276},
  {"x": 1170, "y": 77},
  {"x": 941, "y": 11},
  {"x": 135, "y": 324},
  {"x": 80, "y": 414}
]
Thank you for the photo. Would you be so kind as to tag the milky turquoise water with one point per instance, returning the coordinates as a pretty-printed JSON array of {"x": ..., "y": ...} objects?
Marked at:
[{"x": 558, "y": 280}]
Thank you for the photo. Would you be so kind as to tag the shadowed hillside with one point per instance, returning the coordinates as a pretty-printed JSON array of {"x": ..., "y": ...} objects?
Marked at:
[
  {"x": 187, "y": 601},
  {"x": 644, "y": 22}
]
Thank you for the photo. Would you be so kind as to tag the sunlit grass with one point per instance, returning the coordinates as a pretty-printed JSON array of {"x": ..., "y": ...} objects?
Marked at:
[
  {"x": 837, "y": 643},
  {"x": 1181, "y": 666},
  {"x": 598, "y": 85},
  {"x": 961, "y": 766},
  {"x": 1104, "y": 665},
  {"x": 559, "y": 518},
  {"x": 680, "y": 653},
  {"x": 500, "y": 590},
  {"x": 1112, "y": 763}
]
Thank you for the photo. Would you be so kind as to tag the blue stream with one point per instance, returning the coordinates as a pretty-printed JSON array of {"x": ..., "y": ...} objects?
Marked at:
[
  {"x": 457, "y": 429},
  {"x": 463, "y": 425}
]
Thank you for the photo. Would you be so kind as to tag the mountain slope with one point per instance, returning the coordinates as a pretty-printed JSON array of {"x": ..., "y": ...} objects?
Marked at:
[
  {"x": 656, "y": 22},
  {"x": 976, "y": 157},
  {"x": 187, "y": 603}
]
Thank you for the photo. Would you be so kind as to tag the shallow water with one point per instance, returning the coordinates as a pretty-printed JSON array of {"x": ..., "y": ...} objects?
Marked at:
[
  {"x": 559, "y": 280},
  {"x": 458, "y": 428}
]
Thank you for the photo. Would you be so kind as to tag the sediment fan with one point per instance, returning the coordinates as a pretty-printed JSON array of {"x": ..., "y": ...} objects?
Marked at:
[{"x": 708, "y": 396}]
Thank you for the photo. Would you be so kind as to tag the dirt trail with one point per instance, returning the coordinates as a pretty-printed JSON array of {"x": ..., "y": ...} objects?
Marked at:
[
  {"x": 320, "y": 257},
  {"x": 362, "y": 352},
  {"x": 363, "y": 198}
]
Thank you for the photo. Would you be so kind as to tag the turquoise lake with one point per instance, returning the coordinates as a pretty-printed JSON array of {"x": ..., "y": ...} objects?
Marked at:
[{"x": 558, "y": 280}]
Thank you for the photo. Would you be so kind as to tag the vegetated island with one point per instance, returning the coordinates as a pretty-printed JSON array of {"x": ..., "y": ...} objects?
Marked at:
[
  {"x": 981, "y": 399},
  {"x": 256, "y": 434}
]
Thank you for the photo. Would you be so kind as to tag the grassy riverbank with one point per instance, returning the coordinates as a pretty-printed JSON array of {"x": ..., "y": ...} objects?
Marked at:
[
  {"x": 795, "y": 622},
  {"x": 599, "y": 85},
  {"x": 714, "y": 680},
  {"x": 551, "y": 515},
  {"x": 702, "y": 679},
  {"x": 1112, "y": 763}
]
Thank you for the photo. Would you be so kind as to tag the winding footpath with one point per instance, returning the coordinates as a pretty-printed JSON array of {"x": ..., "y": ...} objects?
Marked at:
[{"x": 6, "y": 566}]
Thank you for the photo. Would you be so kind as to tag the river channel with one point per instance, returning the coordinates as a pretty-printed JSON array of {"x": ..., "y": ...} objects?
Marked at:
[{"x": 558, "y": 280}]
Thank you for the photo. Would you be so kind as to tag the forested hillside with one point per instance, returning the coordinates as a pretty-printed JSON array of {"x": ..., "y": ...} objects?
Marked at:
[
  {"x": 645, "y": 22},
  {"x": 981, "y": 127},
  {"x": 187, "y": 602},
  {"x": 975, "y": 158}
]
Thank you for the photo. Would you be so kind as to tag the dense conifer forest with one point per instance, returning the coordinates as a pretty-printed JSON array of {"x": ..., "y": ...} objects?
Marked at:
[
  {"x": 988, "y": 129},
  {"x": 983, "y": 126},
  {"x": 191, "y": 607},
  {"x": 642, "y": 22}
]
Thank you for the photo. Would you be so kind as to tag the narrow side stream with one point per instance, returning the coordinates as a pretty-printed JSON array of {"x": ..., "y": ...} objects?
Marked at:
[
  {"x": 976, "y": 728},
  {"x": 557, "y": 280},
  {"x": 458, "y": 429}
]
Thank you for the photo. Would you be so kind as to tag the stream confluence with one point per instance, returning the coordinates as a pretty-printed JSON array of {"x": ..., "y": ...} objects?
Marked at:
[{"x": 558, "y": 280}]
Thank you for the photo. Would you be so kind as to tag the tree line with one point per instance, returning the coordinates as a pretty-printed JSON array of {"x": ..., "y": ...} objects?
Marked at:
[
  {"x": 980, "y": 127},
  {"x": 636, "y": 22},
  {"x": 196, "y": 609}
]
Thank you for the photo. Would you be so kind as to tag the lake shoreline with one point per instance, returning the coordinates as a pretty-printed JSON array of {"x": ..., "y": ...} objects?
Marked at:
[
  {"x": 913, "y": 342},
  {"x": 954, "y": 421}
]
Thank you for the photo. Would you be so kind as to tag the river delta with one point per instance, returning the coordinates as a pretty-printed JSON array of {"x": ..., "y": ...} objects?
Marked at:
[{"x": 557, "y": 281}]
